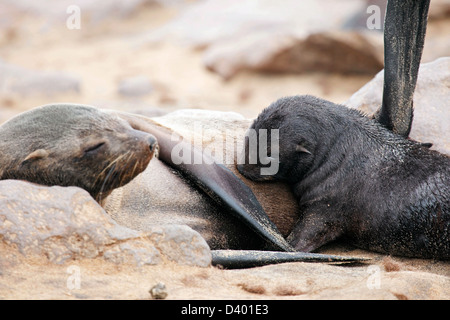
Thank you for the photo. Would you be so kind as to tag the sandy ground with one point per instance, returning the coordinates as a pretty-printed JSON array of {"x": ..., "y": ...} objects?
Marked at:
[
  {"x": 101, "y": 55},
  {"x": 382, "y": 278}
]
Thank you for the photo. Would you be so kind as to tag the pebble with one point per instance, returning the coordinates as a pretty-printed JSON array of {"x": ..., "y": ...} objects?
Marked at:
[{"x": 159, "y": 291}]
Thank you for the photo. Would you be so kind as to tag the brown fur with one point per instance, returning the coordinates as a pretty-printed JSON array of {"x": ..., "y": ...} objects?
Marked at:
[{"x": 73, "y": 145}]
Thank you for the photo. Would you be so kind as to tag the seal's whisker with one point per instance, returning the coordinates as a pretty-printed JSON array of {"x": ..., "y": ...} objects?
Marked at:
[
  {"x": 136, "y": 164},
  {"x": 126, "y": 173},
  {"x": 111, "y": 170},
  {"x": 117, "y": 159},
  {"x": 134, "y": 168}
]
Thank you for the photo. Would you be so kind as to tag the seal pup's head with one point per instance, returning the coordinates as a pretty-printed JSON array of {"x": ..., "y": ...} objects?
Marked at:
[
  {"x": 73, "y": 145},
  {"x": 305, "y": 129}
]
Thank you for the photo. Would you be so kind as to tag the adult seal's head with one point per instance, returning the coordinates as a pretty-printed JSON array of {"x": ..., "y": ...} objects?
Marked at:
[{"x": 73, "y": 145}]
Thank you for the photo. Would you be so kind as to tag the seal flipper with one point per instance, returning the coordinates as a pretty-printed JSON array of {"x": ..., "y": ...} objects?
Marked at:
[
  {"x": 404, "y": 36},
  {"x": 216, "y": 180},
  {"x": 319, "y": 225},
  {"x": 235, "y": 259}
]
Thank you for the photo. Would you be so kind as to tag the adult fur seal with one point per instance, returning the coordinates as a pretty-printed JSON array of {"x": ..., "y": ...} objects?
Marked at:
[
  {"x": 73, "y": 145},
  {"x": 355, "y": 179}
]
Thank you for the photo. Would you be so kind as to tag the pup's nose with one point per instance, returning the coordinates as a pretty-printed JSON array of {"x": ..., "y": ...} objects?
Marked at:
[{"x": 152, "y": 143}]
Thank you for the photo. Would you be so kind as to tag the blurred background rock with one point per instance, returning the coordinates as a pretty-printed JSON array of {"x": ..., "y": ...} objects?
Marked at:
[{"x": 155, "y": 56}]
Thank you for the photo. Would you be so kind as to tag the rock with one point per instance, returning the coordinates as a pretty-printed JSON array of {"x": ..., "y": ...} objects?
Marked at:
[
  {"x": 24, "y": 82},
  {"x": 439, "y": 9},
  {"x": 159, "y": 291},
  {"x": 298, "y": 36},
  {"x": 431, "y": 110},
  {"x": 335, "y": 52},
  {"x": 65, "y": 223},
  {"x": 131, "y": 106},
  {"x": 135, "y": 87}
]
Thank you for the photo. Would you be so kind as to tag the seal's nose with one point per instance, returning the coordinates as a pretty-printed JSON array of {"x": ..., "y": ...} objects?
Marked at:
[{"x": 152, "y": 143}]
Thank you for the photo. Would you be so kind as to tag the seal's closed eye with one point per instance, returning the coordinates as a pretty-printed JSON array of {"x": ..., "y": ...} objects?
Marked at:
[{"x": 94, "y": 148}]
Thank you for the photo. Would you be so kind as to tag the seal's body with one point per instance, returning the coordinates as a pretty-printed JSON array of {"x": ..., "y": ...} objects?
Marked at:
[
  {"x": 73, "y": 145},
  {"x": 355, "y": 179}
]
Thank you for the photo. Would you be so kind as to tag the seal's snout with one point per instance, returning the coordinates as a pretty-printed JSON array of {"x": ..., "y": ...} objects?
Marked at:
[
  {"x": 152, "y": 143},
  {"x": 241, "y": 169}
]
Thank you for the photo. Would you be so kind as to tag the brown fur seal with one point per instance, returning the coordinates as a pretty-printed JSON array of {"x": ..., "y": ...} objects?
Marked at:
[
  {"x": 355, "y": 179},
  {"x": 73, "y": 145}
]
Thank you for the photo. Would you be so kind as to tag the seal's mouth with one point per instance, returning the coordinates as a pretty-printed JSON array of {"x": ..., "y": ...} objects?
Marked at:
[
  {"x": 252, "y": 172},
  {"x": 122, "y": 169}
]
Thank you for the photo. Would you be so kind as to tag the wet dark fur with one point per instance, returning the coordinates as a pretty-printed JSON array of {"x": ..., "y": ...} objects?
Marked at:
[
  {"x": 355, "y": 179},
  {"x": 73, "y": 145}
]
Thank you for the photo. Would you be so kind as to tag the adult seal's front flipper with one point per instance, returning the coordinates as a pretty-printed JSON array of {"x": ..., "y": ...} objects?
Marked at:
[
  {"x": 404, "y": 36},
  {"x": 215, "y": 180},
  {"x": 236, "y": 259}
]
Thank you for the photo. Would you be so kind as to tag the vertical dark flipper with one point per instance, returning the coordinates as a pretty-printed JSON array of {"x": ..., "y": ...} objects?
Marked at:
[
  {"x": 404, "y": 35},
  {"x": 216, "y": 181}
]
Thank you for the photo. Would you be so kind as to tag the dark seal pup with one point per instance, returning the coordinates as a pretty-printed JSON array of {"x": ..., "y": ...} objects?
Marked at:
[
  {"x": 73, "y": 145},
  {"x": 355, "y": 179}
]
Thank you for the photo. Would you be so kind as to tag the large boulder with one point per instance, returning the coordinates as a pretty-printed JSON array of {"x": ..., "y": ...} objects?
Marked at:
[
  {"x": 25, "y": 82},
  {"x": 297, "y": 36},
  {"x": 431, "y": 109},
  {"x": 64, "y": 223},
  {"x": 328, "y": 51}
]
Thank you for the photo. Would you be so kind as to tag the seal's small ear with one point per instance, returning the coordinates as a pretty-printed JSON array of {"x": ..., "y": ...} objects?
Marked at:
[
  {"x": 36, "y": 155},
  {"x": 301, "y": 148}
]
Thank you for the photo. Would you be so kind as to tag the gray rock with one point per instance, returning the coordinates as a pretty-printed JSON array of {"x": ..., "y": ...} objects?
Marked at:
[
  {"x": 18, "y": 80},
  {"x": 159, "y": 291},
  {"x": 329, "y": 51},
  {"x": 135, "y": 86},
  {"x": 65, "y": 223},
  {"x": 297, "y": 36},
  {"x": 431, "y": 103}
]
